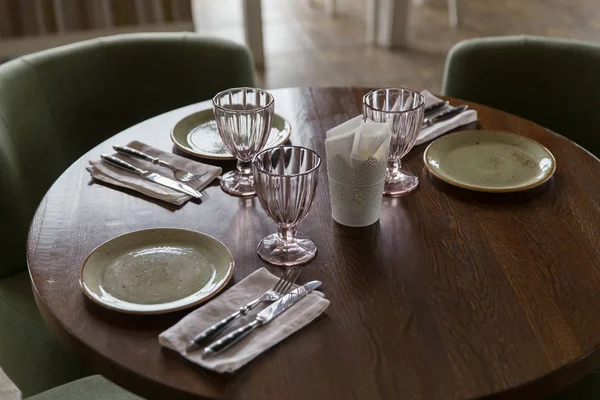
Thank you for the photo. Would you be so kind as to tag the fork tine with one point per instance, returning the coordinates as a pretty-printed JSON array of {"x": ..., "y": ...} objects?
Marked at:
[
  {"x": 290, "y": 281},
  {"x": 282, "y": 281},
  {"x": 285, "y": 278},
  {"x": 293, "y": 280},
  {"x": 296, "y": 275},
  {"x": 185, "y": 176},
  {"x": 284, "y": 289},
  {"x": 278, "y": 284},
  {"x": 189, "y": 177}
]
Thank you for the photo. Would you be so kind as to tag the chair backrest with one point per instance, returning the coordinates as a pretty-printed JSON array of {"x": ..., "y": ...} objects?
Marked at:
[
  {"x": 551, "y": 81},
  {"x": 57, "y": 104}
]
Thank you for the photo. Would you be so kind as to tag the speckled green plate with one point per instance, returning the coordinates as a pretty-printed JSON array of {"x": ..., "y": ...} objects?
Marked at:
[
  {"x": 155, "y": 271},
  {"x": 489, "y": 161},
  {"x": 197, "y": 134}
]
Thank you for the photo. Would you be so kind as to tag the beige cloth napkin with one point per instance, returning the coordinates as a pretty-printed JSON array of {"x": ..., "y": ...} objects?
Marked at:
[
  {"x": 116, "y": 176},
  {"x": 8, "y": 390},
  {"x": 436, "y": 130},
  {"x": 299, "y": 315}
]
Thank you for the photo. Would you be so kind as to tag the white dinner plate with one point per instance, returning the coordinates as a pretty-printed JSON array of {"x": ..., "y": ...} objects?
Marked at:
[{"x": 155, "y": 271}]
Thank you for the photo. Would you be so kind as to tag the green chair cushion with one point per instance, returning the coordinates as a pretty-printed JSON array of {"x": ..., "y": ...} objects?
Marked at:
[
  {"x": 91, "y": 388},
  {"x": 32, "y": 358},
  {"x": 548, "y": 80}
]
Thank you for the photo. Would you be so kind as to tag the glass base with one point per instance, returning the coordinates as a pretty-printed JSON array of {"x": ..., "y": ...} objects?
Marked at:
[
  {"x": 400, "y": 184},
  {"x": 238, "y": 184},
  {"x": 278, "y": 252}
]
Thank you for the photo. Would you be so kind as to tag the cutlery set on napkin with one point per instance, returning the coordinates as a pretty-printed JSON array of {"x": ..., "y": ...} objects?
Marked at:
[
  {"x": 290, "y": 313},
  {"x": 440, "y": 118},
  {"x": 144, "y": 169}
]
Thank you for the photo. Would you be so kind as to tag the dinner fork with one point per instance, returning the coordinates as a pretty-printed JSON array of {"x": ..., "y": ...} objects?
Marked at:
[
  {"x": 284, "y": 285},
  {"x": 180, "y": 175}
]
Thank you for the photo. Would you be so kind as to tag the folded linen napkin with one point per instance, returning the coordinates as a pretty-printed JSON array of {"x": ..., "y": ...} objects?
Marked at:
[
  {"x": 436, "y": 130},
  {"x": 105, "y": 172},
  {"x": 8, "y": 390},
  {"x": 299, "y": 315}
]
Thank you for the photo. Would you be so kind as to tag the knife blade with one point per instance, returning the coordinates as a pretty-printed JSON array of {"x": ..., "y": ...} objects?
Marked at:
[
  {"x": 263, "y": 317},
  {"x": 454, "y": 111},
  {"x": 151, "y": 176}
]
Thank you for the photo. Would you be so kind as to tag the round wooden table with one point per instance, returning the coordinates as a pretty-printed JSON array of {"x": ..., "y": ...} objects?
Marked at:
[{"x": 452, "y": 294}]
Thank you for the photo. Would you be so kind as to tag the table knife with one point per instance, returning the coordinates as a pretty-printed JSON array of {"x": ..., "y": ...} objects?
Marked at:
[
  {"x": 454, "y": 111},
  {"x": 434, "y": 107},
  {"x": 136, "y": 153},
  {"x": 262, "y": 318},
  {"x": 151, "y": 176}
]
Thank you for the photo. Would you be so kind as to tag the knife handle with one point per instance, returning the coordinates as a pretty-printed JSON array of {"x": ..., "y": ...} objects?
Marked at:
[
  {"x": 227, "y": 341},
  {"x": 454, "y": 111},
  {"x": 128, "y": 151},
  {"x": 435, "y": 107},
  {"x": 117, "y": 162},
  {"x": 450, "y": 113},
  {"x": 215, "y": 329}
]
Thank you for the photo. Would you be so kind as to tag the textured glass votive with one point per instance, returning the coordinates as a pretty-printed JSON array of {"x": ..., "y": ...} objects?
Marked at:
[{"x": 356, "y": 189}]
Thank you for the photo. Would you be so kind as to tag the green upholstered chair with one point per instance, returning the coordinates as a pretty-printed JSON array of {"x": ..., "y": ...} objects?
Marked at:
[
  {"x": 553, "y": 82},
  {"x": 56, "y": 105}
]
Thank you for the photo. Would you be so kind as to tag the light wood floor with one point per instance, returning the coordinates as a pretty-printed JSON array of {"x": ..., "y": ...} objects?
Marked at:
[{"x": 304, "y": 47}]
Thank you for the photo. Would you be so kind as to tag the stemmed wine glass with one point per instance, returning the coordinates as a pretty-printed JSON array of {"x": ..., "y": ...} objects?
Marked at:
[
  {"x": 286, "y": 181},
  {"x": 244, "y": 117},
  {"x": 403, "y": 109}
]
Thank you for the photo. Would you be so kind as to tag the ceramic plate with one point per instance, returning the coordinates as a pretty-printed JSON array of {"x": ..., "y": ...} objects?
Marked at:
[
  {"x": 197, "y": 134},
  {"x": 156, "y": 271},
  {"x": 489, "y": 161}
]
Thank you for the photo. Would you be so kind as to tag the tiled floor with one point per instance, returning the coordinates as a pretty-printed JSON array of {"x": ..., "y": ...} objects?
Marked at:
[{"x": 305, "y": 47}]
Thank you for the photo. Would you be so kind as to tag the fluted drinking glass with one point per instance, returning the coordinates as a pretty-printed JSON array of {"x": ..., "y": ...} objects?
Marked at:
[
  {"x": 286, "y": 181},
  {"x": 244, "y": 117},
  {"x": 403, "y": 110}
]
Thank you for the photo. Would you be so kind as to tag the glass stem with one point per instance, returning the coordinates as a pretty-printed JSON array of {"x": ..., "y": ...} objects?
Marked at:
[
  {"x": 286, "y": 233},
  {"x": 245, "y": 167},
  {"x": 393, "y": 166}
]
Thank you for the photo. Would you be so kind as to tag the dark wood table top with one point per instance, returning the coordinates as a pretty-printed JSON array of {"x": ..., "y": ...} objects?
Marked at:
[{"x": 453, "y": 294}]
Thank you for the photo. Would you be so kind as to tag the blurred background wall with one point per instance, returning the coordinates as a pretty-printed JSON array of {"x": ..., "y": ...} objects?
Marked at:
[{"x": 32, "y": 25}]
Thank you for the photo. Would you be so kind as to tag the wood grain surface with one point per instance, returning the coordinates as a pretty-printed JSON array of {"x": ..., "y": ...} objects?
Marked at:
[{"x": 451, "y": 295}]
